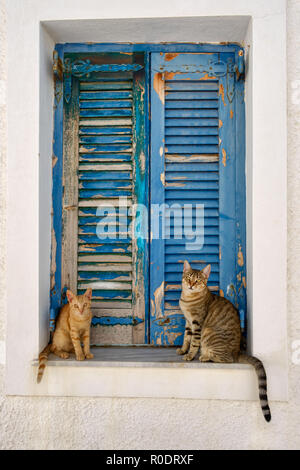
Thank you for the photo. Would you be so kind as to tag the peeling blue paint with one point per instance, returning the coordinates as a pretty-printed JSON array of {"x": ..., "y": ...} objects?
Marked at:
[
  {"x": 57, "y": 195},
  {"x": 188, "y": 77},
  {"x": 112, "y": 321}
]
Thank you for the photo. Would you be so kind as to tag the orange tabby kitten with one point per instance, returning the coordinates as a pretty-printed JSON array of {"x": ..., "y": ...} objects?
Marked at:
[{"x": 72, "y": 326}]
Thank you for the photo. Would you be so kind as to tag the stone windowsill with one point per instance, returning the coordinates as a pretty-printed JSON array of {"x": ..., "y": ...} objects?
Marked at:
[{"x": 136, "y": 356}]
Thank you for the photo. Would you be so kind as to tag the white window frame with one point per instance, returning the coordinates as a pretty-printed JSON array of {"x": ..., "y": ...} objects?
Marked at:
[{"x": 261, "y": 27}]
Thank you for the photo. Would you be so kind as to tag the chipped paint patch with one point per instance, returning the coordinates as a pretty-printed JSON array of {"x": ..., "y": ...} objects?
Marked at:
[
  {"x": 208, "y": 77},
  {"x": 158, "y": 296},
  {"x": 231, "y": 292},
  {"x": 158, "y": 84},
  {"x": 220, "y": 123},
  {"x": 222, "y": 93},
  {"x": 176, "y": 185},
  {"x": 158, "y": 340},
  {"x": 171, "y": 287},
  {"x": 220, "y": 253},
  {"x": 142, "y": 88},
  {"x": 54, "y": 160},
  {"x": 178, "y": 158},
  {"x": 231, "y": 114},
  {"x": 152, "y": 308},
  {"x": 161, "y": 151},
  {"x": 173, "y": 336},
  {"x": 162, "y": 178},
  {"x": 142, "y": 160},
  {"x": 171, "y": 55},
  {"x": 244, "y": 282},
  {"x": 221, "y": 293},
  {"x": 170, "y": 75},
  {"x": 240, "y": 257},
  {"x": 181, "y": 177},
  {"x": 224, "y": 157}
]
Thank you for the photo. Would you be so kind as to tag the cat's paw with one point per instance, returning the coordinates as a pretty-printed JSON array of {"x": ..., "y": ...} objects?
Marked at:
[
  {"x": 80, "y": 357},
  {"x": 188, "y": 357},
  {"x": 64, "y": 355},
  {"x": 89, "y": 356},
  {"x": 204, "y": 359},
  {"x": 179, "y": 351}
]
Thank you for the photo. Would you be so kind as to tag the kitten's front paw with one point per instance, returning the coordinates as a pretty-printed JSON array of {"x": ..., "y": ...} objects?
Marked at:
[
  {"x": 179, "y": 351},
  {"x": 80, "y": 357},
  {"x": 89, "y": 356},
  {"x": 188, "y": 357}
]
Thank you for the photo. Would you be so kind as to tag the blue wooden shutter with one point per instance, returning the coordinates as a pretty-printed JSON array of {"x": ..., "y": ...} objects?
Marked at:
[
  {"x": 104, "y": 142},
  {"x": 194, "y": 100}
]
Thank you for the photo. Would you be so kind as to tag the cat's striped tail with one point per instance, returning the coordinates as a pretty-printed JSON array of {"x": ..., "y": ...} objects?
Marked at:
[
  {"x": 262, "y": 382},
  {"x": 43, "y": 357}
]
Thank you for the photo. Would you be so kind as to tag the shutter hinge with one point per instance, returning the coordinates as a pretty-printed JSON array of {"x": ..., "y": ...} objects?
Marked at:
[
  {"x": 235, "y": 72},
  {"x": 239, "y": 64}
]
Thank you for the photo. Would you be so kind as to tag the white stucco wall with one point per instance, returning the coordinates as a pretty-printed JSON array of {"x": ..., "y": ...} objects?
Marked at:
[{"x": 65, "y": 423}]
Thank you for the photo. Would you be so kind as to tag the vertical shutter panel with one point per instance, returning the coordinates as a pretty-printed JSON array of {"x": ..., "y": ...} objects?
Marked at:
[
  {"x": 192, "y": 128},
  {"x": 104, "y": 175},
  {"x": 108, "y": 106}
]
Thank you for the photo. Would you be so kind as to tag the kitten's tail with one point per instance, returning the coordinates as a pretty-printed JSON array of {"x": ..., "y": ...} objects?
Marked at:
[
  {"x": 262, "y": 382},
  {"x": 43, "y": 357}
]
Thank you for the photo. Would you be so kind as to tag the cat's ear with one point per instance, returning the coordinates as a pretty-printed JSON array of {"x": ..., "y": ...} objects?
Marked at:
[
  {"x": 88, "y": 294},
  {"x": 206, "y": 271},
  {"x": 186, "y": 267},
  {"x": 70, "y": 296}
]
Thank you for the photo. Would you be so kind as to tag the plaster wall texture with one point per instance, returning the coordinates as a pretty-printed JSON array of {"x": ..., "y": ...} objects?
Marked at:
[{"x": 104, "y": 423}]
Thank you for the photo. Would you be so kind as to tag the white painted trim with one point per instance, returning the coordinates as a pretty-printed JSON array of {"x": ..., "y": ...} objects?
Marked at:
[
  {"x": 149, "y": 382},
  {"x": 30, "y": 95}
]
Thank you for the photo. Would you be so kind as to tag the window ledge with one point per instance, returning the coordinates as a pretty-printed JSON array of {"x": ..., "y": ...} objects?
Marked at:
[
  {"x": 137, "y": 356},
  {"x": 140, "y": 372}
]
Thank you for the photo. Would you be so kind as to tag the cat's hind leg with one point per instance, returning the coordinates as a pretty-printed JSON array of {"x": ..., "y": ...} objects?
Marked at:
[
  {"x": 204, "y": 358},
  {"x": 60, "y": 353},
  {"x": 215, "y": 347},
  {"x": 61, "y": 345}
]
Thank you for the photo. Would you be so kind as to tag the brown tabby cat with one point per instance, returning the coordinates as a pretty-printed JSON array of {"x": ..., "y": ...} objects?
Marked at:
[
  {"x": 212, "y": 324},
  {"x": 72, "y": 326}
]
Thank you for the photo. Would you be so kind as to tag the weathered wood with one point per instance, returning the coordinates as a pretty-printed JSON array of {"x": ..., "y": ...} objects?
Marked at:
[
  {"x": 111, "y": 158},
  {"x": 70, "y": 198},
  {"x": 197, "y": 133},
  {"x": 186, "y": 108},
  {"x": 157, "y": 249},
  {"x": 140, "y": 256}
]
